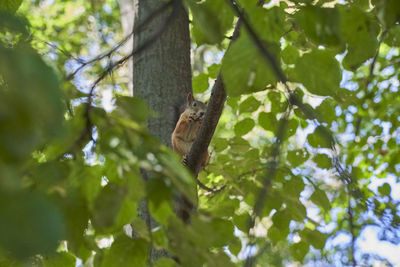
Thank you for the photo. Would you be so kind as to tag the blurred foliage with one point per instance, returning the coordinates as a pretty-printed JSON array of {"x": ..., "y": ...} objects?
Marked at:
[{"x": 70, "y": 172}]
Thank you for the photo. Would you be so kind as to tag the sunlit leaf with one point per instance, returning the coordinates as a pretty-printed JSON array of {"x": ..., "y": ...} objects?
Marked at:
[
  {"x": 200, "y": 83},
  {"x": 244, "y": 126}
]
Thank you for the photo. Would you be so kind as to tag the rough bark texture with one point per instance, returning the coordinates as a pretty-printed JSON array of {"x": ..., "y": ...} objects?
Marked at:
[
  {"x": 211, "y": 118},
  {"x": 162, "y": 72}
]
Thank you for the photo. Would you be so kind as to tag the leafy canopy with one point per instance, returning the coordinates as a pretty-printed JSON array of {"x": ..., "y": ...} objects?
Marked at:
[{"x": 302, "y": 163}]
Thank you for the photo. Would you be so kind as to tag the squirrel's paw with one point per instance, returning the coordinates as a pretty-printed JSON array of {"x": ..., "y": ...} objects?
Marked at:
[{"x": 184, "y": 160}]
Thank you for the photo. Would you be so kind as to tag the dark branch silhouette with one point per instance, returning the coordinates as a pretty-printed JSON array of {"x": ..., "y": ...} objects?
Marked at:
[{"x": 211, "y": 118}]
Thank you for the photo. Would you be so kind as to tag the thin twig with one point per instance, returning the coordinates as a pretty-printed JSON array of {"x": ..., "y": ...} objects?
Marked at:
[
  {"x": 372, "y": 66},
  {"x": 87, "y": 131},
  {"x": 209, "y": 189},
  {"x": 294, "y": 100},
  {"x": 135, "y": 30}
]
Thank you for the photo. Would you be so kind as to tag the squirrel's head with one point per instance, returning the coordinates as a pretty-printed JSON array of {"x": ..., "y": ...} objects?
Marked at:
[{"x": 197, "y": 108}]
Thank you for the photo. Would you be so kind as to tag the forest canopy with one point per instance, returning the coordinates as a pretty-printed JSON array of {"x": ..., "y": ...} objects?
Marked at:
[{"x": 304, "y": 163}]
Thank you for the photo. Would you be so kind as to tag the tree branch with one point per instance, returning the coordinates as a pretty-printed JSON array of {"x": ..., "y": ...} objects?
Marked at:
[
  {"x": 211, "y": 118},
  {"x": 87, "y": 131}
]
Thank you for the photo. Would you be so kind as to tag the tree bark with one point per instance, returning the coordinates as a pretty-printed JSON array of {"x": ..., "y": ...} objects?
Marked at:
[{"x": 162, "y": 72}]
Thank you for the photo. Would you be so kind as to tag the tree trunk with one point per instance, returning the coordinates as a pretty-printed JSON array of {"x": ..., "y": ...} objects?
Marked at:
[{"x": 161, "y": 71}]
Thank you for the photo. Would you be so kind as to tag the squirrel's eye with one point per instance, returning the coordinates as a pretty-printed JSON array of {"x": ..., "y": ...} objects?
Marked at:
[{"x": 194, "y": 104}]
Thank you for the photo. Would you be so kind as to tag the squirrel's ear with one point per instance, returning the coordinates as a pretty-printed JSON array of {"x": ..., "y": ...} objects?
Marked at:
[{"x": 190, "y": 98}]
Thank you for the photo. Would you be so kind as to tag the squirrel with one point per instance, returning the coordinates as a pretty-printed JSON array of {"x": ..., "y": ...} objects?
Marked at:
[{"x": 187, "y": 128}]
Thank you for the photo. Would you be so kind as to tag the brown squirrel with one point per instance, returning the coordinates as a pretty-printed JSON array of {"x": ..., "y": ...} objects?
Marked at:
[{"x": 187, "y": 128}]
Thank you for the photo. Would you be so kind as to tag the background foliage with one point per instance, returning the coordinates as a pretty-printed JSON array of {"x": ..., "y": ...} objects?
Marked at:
[{"x": 307, "y": 165}]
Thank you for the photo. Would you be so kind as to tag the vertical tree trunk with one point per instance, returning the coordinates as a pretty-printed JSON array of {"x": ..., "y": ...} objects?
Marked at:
[{"x": 162, "y": 72}]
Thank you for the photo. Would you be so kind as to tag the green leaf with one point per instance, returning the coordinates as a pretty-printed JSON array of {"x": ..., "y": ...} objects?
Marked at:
[
  {"x": 393, "y": 37},
  {"x": 76, "y": 217},
  {"x": 254, "y": 73},
  {"x": 132, "y": 108},
  {"x": 165, "y": 262},
  {"x": 242, "y": 221},
  {"x": 178, "y": 175},
  {"x": 250, "y": 104},
  {"x": 270, "y": 23},
  {"x": 60, "y": 259},
  {"x": 213, "y": 70},
  {"x": 278, "y": 105},
  {"x": 296, "y": 209},
  {"x": 267, "y": 121},
  {"x": 320, "y": 138},
  {"x": 322, "y": 161},
  {"x": 319, "y": 72},
  {"x": 220, "y": 259},
  {"x": 326, "y": 111},
  {"x": 211, "y": 20},
  {"x": 107, "y": 206},
  {"x": 314, "y": 237},
  {"x": 301, "y": 1},
  {"x": 294, "y": 186},
  {"x": 319, "y": 197},
  {"x": 200, "y": 83},
  {"x": 160, "y": 197},
  {"x": 244, "y": 126},
  {"x": 384, "y": 189},
  {"x": 239, "y": 145},
  {"x": 299, "y": 250},
  {"x": 220, "y": 144},
  {"x": 359, "y": 31},
  {"x": 290, "y": 54},
  {"x": 222, "y": 229},
  {"x": 30, "y": 224},
  {"x": 22, "y": 103},
  {"x": 281, "y": 220},
  {"x": 126, "y": 213},
  {"x": 276, "y": 234},
  {"x": 15, "y": 24},
  {"x": 126, "y": 251},
  {"x": 387, "y": 11},
  {"x": 223, "y": 207},
  {"x": 321, "y": 25},
  {"x": 292, "y": 126},
  {"x": 91, "y": 183},
  {"x": 10, "y": 5},
  {"x": 297, "y": 157},
  {"x": 235, "y": 246}
]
